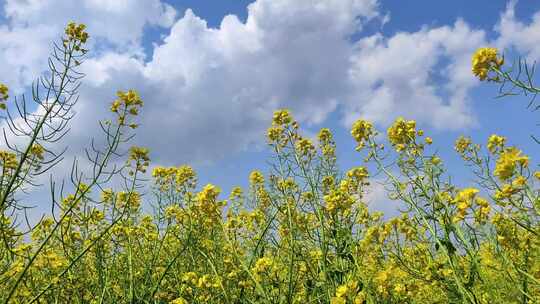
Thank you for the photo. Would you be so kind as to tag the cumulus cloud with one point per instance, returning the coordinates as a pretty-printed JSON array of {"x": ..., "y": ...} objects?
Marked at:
[
  {"x": 299, "y": 56},
  {"x": 119, "y": 21},
  {"x": 32, "y": 25},
  {"x": 21, "y": 54},
  {"x": 516, "y": 34},
  {"x": 397, "y": 76},
  {"x": 210, "y": 92}
]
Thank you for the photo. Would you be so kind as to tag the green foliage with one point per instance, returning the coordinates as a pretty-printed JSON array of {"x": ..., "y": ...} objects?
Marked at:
[{"x": 302, "y": 234}]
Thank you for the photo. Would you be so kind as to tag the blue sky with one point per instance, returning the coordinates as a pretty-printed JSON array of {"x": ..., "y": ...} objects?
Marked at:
[
  {"x": 495, "y": 116},
  {"x": 211, "y": 82}
]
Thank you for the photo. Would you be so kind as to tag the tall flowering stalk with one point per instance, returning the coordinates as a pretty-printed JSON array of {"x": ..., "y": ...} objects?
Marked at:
[{"x": 302, "y": 232}]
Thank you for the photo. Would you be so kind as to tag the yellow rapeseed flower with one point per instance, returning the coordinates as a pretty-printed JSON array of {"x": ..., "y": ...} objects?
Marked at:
[
  {"x": 361, "y": 131},
  {"x": 179, "y": 301},
  {"x": 467, "y": 194},
  {"x": 324, "y": 135},
  {"x": 462, "y": 144},
  {"x": 76, "y": 32},
  {"x": 8, "y": 160},
  {"x": 139, "y": 156},
  {"x": 496, "y": 143},
  {"x": 37, "y": 150},
  {"x": 127, "y": 103},
  {"x": 256, "y": 178},
  {"x": 3, "y": 95},
  {"x": 464, "y": 200},
  {"x": 402, "y": 133},
  {"x": 281, "y": 117},
  {"x": 305, "y": 147},
  {"x": 505, "y": 166},
  {"x": 485, "y": 60},
  {"x": 274, "y": 134},
  {"x": 341, "y": 291},
  {"x": 263, "y": 265}
]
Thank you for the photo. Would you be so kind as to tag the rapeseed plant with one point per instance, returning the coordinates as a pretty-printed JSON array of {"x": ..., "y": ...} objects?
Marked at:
[{"x": 301, "y": 234}]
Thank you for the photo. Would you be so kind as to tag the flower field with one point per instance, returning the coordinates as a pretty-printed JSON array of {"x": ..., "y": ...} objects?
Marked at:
[{"x": 302, "y": 233}]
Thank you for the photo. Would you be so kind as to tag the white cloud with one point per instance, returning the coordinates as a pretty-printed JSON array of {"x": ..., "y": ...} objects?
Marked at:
[
  {"x": 514, "y": 33},
  {"x": 210, "y": 92},
  {"x": 118, "y": 21},
  {"x": 400, "y": 76},
  {"x": 23, "y": 51},
  {"x": 32, "y": 26}
]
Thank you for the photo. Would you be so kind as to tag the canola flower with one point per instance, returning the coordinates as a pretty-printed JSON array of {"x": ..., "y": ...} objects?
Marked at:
[
  {"x": 8, "y": 160},
  {"x": 463, "y": 144},
  {"x": 301, "y": 233},
  {"x": 327, "y": 144},
  {"x": 4, "y": 95},
  {"x": 76, "y": 32},
  {"x": 305, "y": 147},
  {"x": 403, "y": 133},
  {"x": 361, "y": 131},
  {"x": 484, "y": 61},
  {"x": 510, "y": 160},
  {"x": 256, "y": 178},
  {"x": 496, "y": 143},
  {"x": 181, "y": 179},
  {"x": 127, "y": 104},
  {"x": 139, "y": 158},
  {"x": 464, "y": 200},
  {"x": 229, "y": 275}
]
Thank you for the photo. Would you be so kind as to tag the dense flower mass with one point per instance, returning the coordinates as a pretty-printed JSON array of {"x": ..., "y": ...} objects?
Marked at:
[
  {"x": 282, "y": 117},
  {"x": 402, "y": 133},
  {"x": 509, "y": 161},
  {"x": 361, "y": 132},
  {"x": 3, "y": 96},
  {"x": 303, "y": 232},
  {"x": 179, "y": 179},
  {"x": 76, "y": 32},
  {"x": 485, "y": 60},
  {"x": 496, "y": 143},
  {"x": 8, "y": 160}
]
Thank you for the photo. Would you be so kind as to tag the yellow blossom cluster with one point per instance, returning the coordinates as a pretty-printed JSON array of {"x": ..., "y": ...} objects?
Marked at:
[
  {"x": 361, "y": 132},
  {"x": 179, "y": 178},
  {"x": 339, "y": 200},
  {"x": 485, "y": 60},
  {"x": 305, "y": 147},
  {"x": 127, "y": 103},
  {"x": 465, "y": 148},
  {"x": 76, "y": 32},
  {"x": 139, "y": 158},
  {"x": 464, "y": 200},
  {"x": 347, "y": 291},
  {"x": 327, "y": 144},
  {"x": 304, "y": 232},
  {"x": 402, "y": 133},
  {"x": 495, "y": 143},
  {"x": 282, "y": 238},
  {"x": 8, "y": 160},
  {"x": 510, "y": 160},
  {"x": 37, "y": 150},
  {"x": 3, "y": 95},
  {"x": 256, "y": 178}
]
